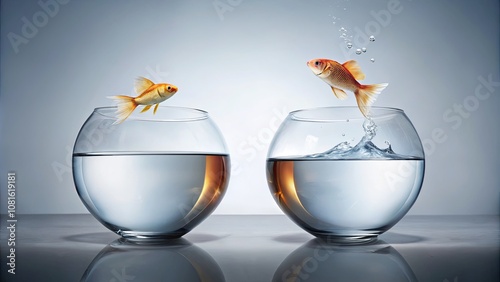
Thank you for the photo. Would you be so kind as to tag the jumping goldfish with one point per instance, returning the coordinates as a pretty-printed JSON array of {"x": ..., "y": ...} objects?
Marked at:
[
  {"x": 149, "y": 95},
  {"x": 345, "y": 77}
]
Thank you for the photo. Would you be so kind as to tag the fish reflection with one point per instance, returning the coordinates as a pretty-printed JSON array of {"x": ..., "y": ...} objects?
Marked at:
[
  {"x": 317, "y": 260},
  {"x": 175, "y": 260}
]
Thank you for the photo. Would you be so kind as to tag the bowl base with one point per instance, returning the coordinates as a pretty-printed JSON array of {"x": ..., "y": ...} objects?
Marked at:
[
  {"x": 347, "y": 240},
  {"x": 148, "y": 237}
]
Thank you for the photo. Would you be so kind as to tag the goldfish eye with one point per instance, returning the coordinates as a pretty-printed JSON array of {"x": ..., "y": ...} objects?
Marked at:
[
  {"x": 168, "y": 88},
  {"x": 316, "y": 63}
]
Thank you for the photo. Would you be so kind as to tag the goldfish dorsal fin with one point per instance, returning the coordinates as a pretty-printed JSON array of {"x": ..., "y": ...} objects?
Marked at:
[
  {"x": 141, "y": 84},
  {"x": 353, "y": 67},
  {"x": 339, "y": 93}
]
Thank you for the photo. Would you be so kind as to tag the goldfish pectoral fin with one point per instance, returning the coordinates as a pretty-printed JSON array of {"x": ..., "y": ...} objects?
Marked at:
[
  {"x": 156, "y": 108},
  {"x": 353, "y": 67},
  {"x": 339, "y": 93},
  {"x": 126, "y": 105},
  {"x": 141, "y": 84},
  {"x": 366, "y": 95},
  {"x": 146, "y": 108}
]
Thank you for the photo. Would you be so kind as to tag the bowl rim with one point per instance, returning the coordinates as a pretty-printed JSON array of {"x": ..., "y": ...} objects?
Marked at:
[
  {"x": 196, "y": 114},
  {"x": 295, "y": 115}
]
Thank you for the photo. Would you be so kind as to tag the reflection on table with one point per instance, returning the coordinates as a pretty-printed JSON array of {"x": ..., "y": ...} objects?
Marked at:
[
  {"x": 174, "y": 260},
  {"x": 318, "y": 260}
]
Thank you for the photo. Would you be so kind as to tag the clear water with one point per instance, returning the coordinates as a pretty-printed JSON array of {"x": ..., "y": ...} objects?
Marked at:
[
  {"x": 138, "y": 194},
  {"x": 345, "y": 195},
  {"x": 359, "y": 190}
]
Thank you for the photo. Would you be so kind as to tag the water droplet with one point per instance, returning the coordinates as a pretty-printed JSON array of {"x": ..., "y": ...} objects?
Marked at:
[
  {"x": 358, "y": 51},
  {"x": 372, "y": 38},
  {"x": 349, "y": 45},
  {"x": 363, "y": 49},
  {"x": 347, "y": 120},
  {"x": 387, "y": 143},
  {"x": 343, "y": 134},
  {"x": 333, "y": 22},
  {"x": 373, "y": 60}
]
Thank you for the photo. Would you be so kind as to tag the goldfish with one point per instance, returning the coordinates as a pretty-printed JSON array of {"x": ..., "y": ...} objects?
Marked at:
[
  {"x": 149, "y": 94},
  {"x": 345, "y": 76}
]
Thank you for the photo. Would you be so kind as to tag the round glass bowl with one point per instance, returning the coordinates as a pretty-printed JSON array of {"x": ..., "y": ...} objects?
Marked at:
[
  {"x": 341, "y": 176},
  {"x": 152, "y": 176}
]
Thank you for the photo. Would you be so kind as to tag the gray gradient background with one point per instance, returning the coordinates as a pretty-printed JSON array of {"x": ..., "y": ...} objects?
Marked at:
[{"x": 246, "y": 67}]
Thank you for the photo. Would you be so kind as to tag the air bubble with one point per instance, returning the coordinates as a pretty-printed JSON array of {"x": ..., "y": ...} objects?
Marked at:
[
  {"x": 363, "y": 49},
  {"x": 349, "y": 45},
  {"x": 358, "y": 51},
  {"x": 343, "y": 134},
  {"x": 372, "y": 38},
  {"x": 373, "y": 60},
  {"x": 347, "y": 120}
]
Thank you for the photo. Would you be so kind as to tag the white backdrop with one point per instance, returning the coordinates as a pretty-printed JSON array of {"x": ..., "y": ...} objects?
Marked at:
[{"x": 245, "y": 63}]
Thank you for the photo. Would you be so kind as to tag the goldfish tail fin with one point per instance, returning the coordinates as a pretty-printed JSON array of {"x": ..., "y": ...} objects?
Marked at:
[
  {"x": 126, "y": 105},
  {"x": 366, "y": 95}
]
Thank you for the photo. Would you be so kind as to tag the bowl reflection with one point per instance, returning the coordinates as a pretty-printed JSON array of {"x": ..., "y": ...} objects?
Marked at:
[
  {"x": 174, "y": 260},
  {"x": 318, "y": 260}
]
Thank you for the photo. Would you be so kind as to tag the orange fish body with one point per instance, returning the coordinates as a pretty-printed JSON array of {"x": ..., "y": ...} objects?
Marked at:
[
  {"x": 149, "y": 94},
  {"x": 345, "y": 76}
]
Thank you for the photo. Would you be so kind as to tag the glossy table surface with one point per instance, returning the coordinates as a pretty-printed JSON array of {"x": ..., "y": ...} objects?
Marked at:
[{"x": 253, "y": 248}]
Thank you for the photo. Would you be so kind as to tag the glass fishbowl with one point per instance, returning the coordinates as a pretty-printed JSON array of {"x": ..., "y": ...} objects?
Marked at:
[
  {"x": 151, "y": 176},
  {"x": 339, "y": 175}
]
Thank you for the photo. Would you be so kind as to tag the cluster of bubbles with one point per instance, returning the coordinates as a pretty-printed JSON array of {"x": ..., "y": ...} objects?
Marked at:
[
  {"x": 335, "y": 19},
  {"x": 345, "y": 36},
  {"x": 347, "y": 39}
]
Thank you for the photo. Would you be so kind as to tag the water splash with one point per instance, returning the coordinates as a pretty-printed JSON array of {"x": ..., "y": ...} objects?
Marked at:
[
  {"x": 370, "y": 129},
  {"x": 365, "y": 149}
]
